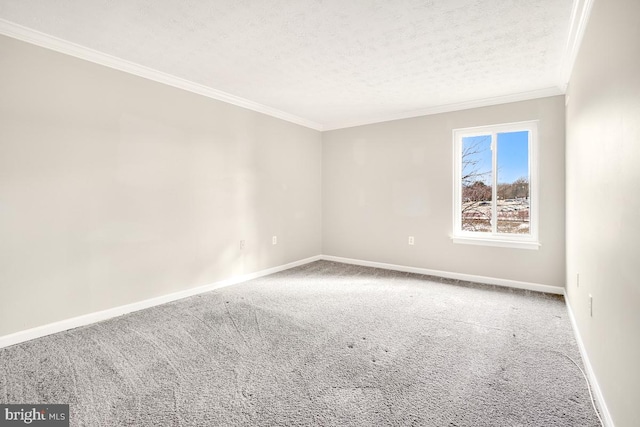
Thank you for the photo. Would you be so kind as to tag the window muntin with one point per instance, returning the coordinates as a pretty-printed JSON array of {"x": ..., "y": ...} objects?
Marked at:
[{"x": 495, "y": 197}]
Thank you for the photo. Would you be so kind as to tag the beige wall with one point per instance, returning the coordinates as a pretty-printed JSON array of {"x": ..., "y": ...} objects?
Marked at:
[
  {"x": 387, "y": 181},
  {"x": 603, "y": 201},
  {"x": 115, "y": 189}
]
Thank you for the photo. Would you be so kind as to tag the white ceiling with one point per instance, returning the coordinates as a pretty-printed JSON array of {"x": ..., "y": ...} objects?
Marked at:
[{"x": 326, "y": 63}]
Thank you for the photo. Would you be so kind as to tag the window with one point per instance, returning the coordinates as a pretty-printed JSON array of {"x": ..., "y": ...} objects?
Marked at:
[{"x": 495, "y": 191}]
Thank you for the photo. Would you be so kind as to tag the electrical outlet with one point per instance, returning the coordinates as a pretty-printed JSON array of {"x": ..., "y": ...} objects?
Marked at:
[
  {"x": 578, "y": 280},
  {"x": 274, "y": 240},
  {"x": 242, "y": 244},
  {"x": 590, "y": 305},
  {"x": 411, "y": 240}
]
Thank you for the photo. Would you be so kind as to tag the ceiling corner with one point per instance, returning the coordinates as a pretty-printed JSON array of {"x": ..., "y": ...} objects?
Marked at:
[
  {"x": 579, "y": 17},
  {"x": 47, "y": 41}
]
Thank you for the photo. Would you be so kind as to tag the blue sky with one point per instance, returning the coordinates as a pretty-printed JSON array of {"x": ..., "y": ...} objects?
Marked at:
[{"x": 513, "y": 157}]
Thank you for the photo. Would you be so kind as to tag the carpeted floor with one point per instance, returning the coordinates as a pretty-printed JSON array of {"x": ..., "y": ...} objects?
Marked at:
[{"x": 322, "y": 344}]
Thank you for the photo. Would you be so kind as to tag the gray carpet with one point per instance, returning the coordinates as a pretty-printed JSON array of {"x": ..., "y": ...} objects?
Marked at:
[{"x": 322, "y": 344}]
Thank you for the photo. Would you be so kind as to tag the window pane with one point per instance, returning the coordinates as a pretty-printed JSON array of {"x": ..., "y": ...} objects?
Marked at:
[
  {"x": 513, "y": 183},
  {"x": 476, "y": 180}
]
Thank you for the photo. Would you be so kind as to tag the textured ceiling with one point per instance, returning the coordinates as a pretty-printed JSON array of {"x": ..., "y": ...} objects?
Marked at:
[{"x": 332, "y": 62}]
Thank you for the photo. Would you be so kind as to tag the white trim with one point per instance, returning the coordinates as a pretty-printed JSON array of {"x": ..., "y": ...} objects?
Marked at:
[
  {"x": 438, "y": 109},
  {"x": 528, "y": 241},
  {"x": 91, "y": 318},
  {"x": 446, "y": 274},
  {"x": 597, "y": 392},
  {"x": 499, "y": 243},
  {"x": 579, "y": 19},
  {"x": 87, "y": 319},
  {"x": 38, "y": 38}
]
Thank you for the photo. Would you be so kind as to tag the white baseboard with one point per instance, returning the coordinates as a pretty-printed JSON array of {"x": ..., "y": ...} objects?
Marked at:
[
  {"x": 595, "y": 387},
  {"x": 446, "y": 274},
  {"x": 87, "y": 319},
  {"x": 90, "y": 318}
]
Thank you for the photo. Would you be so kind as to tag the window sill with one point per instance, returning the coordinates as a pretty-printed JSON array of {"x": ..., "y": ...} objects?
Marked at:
[{"x": 496, "y": 242}]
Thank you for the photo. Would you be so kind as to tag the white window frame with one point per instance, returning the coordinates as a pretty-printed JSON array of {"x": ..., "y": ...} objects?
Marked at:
[{"x": 529, "y": 241}]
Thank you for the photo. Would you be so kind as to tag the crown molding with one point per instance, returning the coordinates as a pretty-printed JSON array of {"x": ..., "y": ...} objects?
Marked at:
[
  {"x": 579, "y": 18},
  {"x": 16, "y": 31},
  {"x": 484, "y": 102},
  {"x": 38, "y": 38}
]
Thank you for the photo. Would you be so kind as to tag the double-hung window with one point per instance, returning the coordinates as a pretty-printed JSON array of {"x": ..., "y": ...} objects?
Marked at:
[{"x": 495, "y": 185}]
